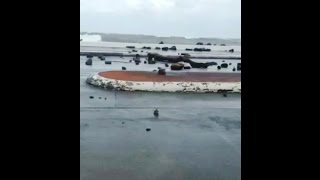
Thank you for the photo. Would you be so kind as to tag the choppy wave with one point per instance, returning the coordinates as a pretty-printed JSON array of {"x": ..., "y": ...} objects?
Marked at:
[{"x": 90, "y": 38}]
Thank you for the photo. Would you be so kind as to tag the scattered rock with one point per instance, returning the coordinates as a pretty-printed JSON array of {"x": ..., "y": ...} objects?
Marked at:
[
  {"x": 123, "y": 122},
  {"x": 189, "y": 49},
  {"x": 91, "y": 97},
  {"x": 200, "y": 43},
  {"x": 186, "y": 67},
  {"x": 134, "y": 50},
  {"x": 208, "y": 44},
  {"x": 156, "y": 113},
  {"x": 105, "y": 98},
  {"x": 239, "y": 66},
  {"x": 89, "y": 56},
  {"x": 177, "y": 66},
  {"x": 145, "y": 62},
  {"x": 234, "y": 69},
  {"x": 165, "y": 49},
  {"x": 130, "y": 47},
  {"x": 162, "y": 72},
  {"x": 99, "y": 97},
  {"x": 179, "y": 59},
  {"x": 148, "y": 129},
  {"x": 108, "y": 62},
  {"x": 173, "y": 48},
  {"x": 89, "y": 62},
  {"x": 161, "y": 42},
  {"x": 218, "y": 67},
  {"x": 222, "y": 44},
  {"x": 224, "y": 65},
  {"x": 224, "y": 95},
  {"x": 201, "y": 49},
  {"x": 166, "y": 64},
  {"x": 151, "y": 61},
  {"x": 157, "y": 48},
  {"x": 124, "y": 68},
  {"x": 231, "y": 50},
  {"x": 230, "y": 64},
  {"x": 102, "y": 58},
  {"x": 144, "y": 47}
]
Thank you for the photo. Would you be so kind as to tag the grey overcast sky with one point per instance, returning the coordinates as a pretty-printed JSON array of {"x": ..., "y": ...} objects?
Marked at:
[{"x": 188, "y": 18}]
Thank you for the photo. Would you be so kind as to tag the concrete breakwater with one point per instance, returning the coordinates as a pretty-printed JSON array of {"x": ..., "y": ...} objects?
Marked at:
[{"x": 172, "y": 82}]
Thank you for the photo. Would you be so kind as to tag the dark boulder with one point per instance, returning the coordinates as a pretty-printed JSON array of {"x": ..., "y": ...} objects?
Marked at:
[
  {"x": 89, "y": 62},
  {"x": 173, "y": 48},
  {"x": 162, "y": 72},
  {"x": 201, "y": 49},
  {"x": 151, "y": 61},
  {"x": 177, "y": 59},
  {"x": 165, "y": 49},
  {"x": 102, "y": 58},
  {"x": 224, "y": 65},
  {"x": 239, "y": 66},
  {"x": 144, "y": 47},
  {"x": 108, "y": 62},
  {"x": 177, "y": 66},
  {"x": 156, "y": 113}
]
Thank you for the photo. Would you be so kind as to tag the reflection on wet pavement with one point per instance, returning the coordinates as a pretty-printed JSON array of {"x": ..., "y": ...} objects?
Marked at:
[{"x": 196, "y": 136}]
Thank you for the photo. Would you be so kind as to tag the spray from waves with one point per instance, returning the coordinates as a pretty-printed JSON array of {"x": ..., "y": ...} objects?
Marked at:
[{"x": 90, "y": 38}]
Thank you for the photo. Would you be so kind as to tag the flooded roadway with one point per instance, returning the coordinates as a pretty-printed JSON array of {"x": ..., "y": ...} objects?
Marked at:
[{"x": 196, "y": 136}]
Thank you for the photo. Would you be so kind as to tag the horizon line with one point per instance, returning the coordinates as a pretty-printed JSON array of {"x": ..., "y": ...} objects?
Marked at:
[{"x": 172, "y": 36}]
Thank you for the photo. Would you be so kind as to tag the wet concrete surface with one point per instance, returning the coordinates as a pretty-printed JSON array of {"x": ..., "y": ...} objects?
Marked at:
[{"x": 196, "y": 136}]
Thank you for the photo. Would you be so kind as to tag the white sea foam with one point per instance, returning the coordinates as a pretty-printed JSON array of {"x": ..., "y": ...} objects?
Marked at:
[{"x": 90, "y": 38}]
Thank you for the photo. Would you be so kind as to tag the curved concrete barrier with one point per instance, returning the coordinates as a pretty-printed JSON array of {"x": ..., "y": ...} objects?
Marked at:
[{"x": 172, "y": 82}]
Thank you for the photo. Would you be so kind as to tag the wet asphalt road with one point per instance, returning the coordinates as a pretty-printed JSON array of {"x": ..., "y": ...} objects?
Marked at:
[{"x": 196, "y": 136}]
